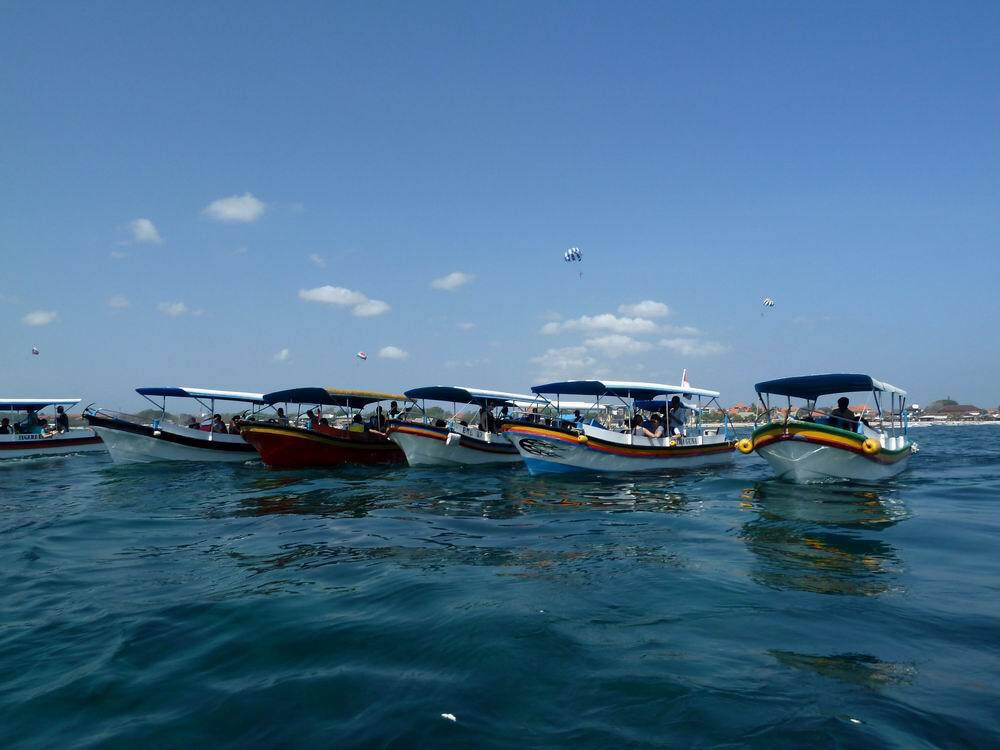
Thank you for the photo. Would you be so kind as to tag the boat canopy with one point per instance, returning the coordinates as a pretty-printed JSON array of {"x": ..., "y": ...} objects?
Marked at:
[
  {"x": 330, "y": 397},
  {"x": 810, "y": 387},
  {"x": 456, "y": 394},
  {"x": 620, "y": 388},
  {"x": 184, "y": 391},
  {"x": 36, "y": 404}
]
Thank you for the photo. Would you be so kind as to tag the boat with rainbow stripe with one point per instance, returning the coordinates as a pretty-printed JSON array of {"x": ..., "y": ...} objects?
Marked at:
[
  {"x": 613, "y": 442},
  {"x": 803, "y": 444}
]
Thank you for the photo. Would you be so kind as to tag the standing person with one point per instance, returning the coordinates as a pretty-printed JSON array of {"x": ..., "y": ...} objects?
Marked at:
[
  {"x": 5, "y": 428},
  {"x": 313, "y": 420},
  {"x": 62, "y": 420},
  {"x": 394, "y": 412},
  {"x": 675, "y": 416},
  {"x": 281, "y": 418}
]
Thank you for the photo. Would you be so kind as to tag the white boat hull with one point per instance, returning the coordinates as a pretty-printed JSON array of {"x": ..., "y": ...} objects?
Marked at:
[
  {"x": 551, "y": 451},
  {"x": 437, "y": 447},
  {"x": 800, "y": 461},
  {"x": 131, "y": 448},
  {"x": 77, "y": 440}
]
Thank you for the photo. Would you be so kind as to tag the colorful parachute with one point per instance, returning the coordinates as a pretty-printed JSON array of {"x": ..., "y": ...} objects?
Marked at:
[
  {"x": 768, "y": 302},
  {"x": 34, "y": 350},
  {"x": 361, "y": 355},
  {"x": 573, "y": 254}
]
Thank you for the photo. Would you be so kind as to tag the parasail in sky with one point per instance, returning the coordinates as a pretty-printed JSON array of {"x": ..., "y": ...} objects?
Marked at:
[
  {"x": 768, "y": 302},
  {"x": 34, "y": 350},
  {"x": 361, "y": 355},
  {"x": 574, "y": 254}
]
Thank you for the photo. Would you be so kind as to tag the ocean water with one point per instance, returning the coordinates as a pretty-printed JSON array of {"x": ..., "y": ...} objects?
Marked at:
[{"x": 235, "y": 606}]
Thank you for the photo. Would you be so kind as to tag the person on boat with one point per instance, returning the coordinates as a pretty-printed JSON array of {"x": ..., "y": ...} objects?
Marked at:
[
  {"x": 655, "y": 429},
  {"x": 193, "y": 424},
  {"x": 31, "y": 425},
  {"x": 218, "y": 425},
  {"x": 62, "y": 420},
  {"x": 324, "y": 422},
  {"x": 843, "y": 417},
  {"x": 577, "y": 419},
  {"x": 357, "y": 424},
  {"x": 234, "y": 426},
  {"x": 637, "y": 425},
  {"x": 675, "y": 416},
  {"x": 394, "y": 412},
  {"x": 5, "y": 428},
  {"x": 484, "y": 419},
  {"x": 281, "y": 418},
  {"x": 313, "y": 419},
  {"x": 503, "y": 416}
]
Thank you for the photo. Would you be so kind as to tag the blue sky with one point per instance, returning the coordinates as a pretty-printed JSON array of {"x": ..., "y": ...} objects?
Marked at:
[{"x": 842, "y": 160}]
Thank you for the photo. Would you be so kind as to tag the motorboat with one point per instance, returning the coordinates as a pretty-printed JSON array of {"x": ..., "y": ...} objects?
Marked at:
[
  {"x": 29, "y": 436},
  {"x": 550, "y": 441},
  {"x": 456, "y": 441},
  {"x": 133, "y": 440},
  {"x": 803, "y": 444},
  {"x": 348, "y": 436}
]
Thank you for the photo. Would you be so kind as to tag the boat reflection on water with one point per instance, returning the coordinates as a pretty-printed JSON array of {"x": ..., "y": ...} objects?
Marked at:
[
  {"x": 821, "y": 538},
  {"x": 651, "y": 494},
  {"x": 857, "y": 669}
]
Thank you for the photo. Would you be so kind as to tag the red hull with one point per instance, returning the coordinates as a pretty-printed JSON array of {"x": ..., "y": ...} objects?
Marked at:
[{"x": 296, "y": 448}]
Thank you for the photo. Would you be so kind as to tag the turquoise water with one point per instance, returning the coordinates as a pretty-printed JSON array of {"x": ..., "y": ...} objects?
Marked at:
[{"x": 234, "y": 606}]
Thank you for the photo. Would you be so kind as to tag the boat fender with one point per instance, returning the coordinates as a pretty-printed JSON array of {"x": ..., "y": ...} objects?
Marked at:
[
  {"x": 581, "y": 438},
  {"x": 673, "y": 442},
  {"x": 452, "y": 439},
  {"x": 156, "y": 433},
  {"x": 745, "y": 446},
  {"x": 870, "y": 446}
]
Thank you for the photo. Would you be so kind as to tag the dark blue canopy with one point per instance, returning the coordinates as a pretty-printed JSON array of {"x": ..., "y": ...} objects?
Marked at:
[
  {"x": 330, "y": 397},
  {"x": 813, "y": 386}
]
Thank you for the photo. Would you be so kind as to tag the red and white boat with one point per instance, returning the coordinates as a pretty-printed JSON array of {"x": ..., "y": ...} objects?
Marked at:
[
  {"x": 350, "y": 436},
  {"x": 24, "y": 437}
]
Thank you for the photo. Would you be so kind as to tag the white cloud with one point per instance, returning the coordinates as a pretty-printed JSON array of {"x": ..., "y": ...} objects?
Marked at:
[
  {"x": 359, "y": 303},
  {"x": 370, "y": 308},
  {"x": 562, "y": 362},
  {"x": 40, "y": 317},
  {"x": 282, "y": 356},
  {"x": 333, "y": 295},
  {"x": 617, "y": 345},
  {"x": 236, "y": 209},
  {"x": 176, "y": 309},
  {"x": 143, "y": 230},
  {"x": 453, "y": 280},
  {"x": 317, "y": 260},
  {"x": 679, "y": 330},
  {"x": 645, "y": 309},
  {"x": 689, "y": 347},
  {"x": 466, "y": 326},
  {"x": 392, "y": 352},
  {"x": 118, "y": 302},
  {"x": 603, "y": 322}
]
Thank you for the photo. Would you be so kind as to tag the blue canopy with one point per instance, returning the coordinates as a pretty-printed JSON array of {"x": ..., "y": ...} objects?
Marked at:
[
  {"x": 34, "y": 404},
  {"x": 459, "y": 394},
  {"x": 813, "y": 386},
  {"x": 206, "y": 393},
  {"x": 620, "y": 388},
  {"x": 330, "y": 397}
]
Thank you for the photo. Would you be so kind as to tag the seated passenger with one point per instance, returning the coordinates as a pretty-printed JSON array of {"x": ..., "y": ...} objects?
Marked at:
[
  {"x": 234, "y": 426},
  {"x": 357, "y": 424},
  {"x": 324, "y": 422},
  {"x": 577, "y": 418},
  {"x": 313, "y": 420},
  {"x": 218, "y": 425},
  {"x": 192, "y": 423},
  {"x": 394, "y": 412},
  {"x": 280, "y": 416},
  {"x": 655, "y": 430},
  {"x": 30, "y": 425},
  {"x": 5, "y": 428},
  {"x": 636, "y": 423},
  {"x": 62, "y": 420},
  {"x": 843, "y": 417}
]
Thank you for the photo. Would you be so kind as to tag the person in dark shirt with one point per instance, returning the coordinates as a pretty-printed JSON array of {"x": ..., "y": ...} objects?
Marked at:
[
  {"x": 843, "y": 417},
  {"x": 218, "y": 425},
  {"x": 193, "y": 424},
  {"x": 62, "y": 420},
  {"x": 5, "y": 427}
]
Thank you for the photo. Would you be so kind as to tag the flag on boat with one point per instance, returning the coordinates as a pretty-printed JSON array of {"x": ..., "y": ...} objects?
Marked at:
[
  {"x": 361, "y": 355},
  {"x": 684, "y": 379}
]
